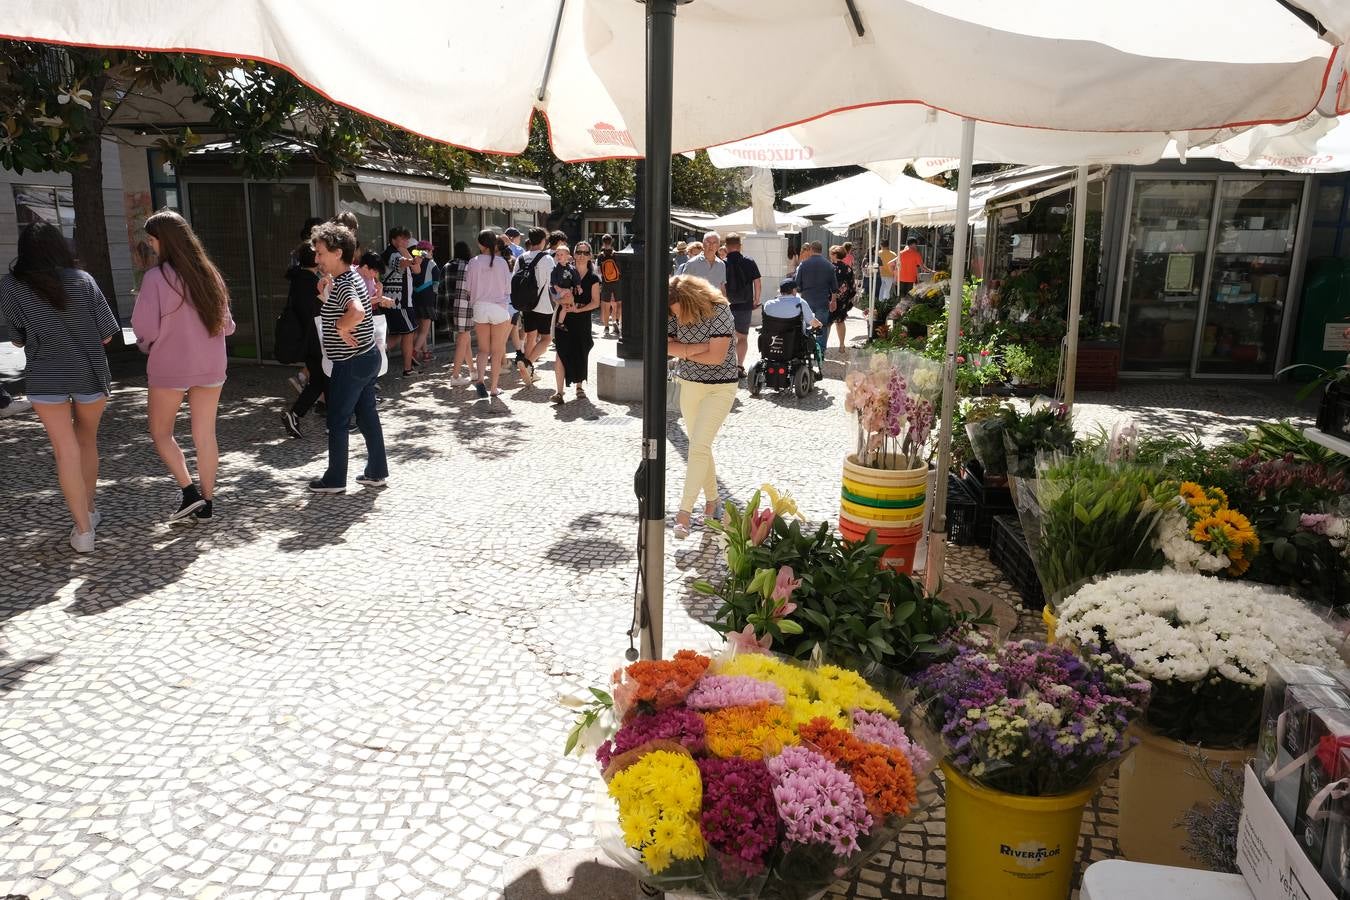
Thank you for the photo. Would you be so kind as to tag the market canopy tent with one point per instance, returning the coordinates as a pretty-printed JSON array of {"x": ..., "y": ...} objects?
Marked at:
[
  {"x": 859, "y": 195},
  {"x": 1136, "y": 66},
  {"x": 744, "y": 219}
]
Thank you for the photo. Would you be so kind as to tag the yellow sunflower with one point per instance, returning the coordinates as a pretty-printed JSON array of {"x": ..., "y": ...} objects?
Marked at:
[{"x": 1229, "y": 532}]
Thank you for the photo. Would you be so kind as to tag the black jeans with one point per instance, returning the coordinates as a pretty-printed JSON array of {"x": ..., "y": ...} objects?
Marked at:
[{"x": 316, "y": 388}]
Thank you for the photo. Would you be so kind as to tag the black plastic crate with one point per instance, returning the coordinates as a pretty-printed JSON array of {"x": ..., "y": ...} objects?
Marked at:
[
  {"x": 1333, "y": 416},
  {"x": 1008, "y": 551},
  {"x": 962, "y": 512},
  {"x": 992, "y": 500}
]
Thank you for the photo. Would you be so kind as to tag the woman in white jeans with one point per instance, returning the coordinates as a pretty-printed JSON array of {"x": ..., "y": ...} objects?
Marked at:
[
  {"x": 702, "y": 337},
  {"x": 487, "y": 281}
]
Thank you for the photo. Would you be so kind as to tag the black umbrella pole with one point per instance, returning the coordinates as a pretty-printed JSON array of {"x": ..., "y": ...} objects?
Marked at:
[{"x": 656, "y": 208}]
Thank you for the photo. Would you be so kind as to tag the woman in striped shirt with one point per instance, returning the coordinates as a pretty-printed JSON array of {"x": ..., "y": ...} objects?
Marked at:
[
  {"x": 349, "y": 346},
  {"x": 58, "y": 314}
]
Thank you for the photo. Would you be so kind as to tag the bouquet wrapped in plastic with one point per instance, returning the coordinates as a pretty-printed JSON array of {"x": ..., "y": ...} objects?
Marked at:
[
  {"x": 751, "y": 775},
  {"x": 1033, "y": 720},
  {"x": 1204, "y": 644},
  {"x": 894, "y": 398}
]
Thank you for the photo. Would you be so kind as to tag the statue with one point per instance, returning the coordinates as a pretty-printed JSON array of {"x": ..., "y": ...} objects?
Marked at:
[{"x": 760, "y": 183}]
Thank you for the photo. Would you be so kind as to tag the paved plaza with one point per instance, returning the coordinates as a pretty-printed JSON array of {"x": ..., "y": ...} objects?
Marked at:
[{"x": 358, "y": 696}]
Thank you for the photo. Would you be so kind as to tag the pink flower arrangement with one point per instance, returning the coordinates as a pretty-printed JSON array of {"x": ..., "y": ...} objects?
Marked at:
[
  {"x": 817, "y": 802},
  {"x": 739, "y": 817},
  {"x": 678, "y": 724},
  {"x": 721, "y": 691},
  {"x": 761, "y": 524}
]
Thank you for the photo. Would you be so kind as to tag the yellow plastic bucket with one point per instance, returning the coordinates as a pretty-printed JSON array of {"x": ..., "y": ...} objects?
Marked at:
[
  {"x": 1009, "y": 847},
  {"x": 1051, "y": 622},
  {"x": 884, "y": 478},
  {"x": 869, "y": 491},
  {"x": 876, "y": 515}
]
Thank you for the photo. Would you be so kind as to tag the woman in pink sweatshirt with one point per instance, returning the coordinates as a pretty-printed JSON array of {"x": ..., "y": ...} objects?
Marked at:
[{"x": 181, "y": 319}]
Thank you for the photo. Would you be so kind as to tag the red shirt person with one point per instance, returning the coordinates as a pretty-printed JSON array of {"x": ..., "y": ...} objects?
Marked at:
[{"x": 908, "y": 266}]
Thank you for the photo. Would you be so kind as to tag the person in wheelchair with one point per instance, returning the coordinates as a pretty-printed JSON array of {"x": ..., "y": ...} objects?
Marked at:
[{"x": 789, "y": 357}]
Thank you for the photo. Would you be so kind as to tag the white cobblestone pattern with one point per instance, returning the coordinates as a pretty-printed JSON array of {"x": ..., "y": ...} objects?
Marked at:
[{"x": 353, "y": 696}]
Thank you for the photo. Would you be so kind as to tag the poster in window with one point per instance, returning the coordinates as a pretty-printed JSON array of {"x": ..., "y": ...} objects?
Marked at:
[{"x": 1180, "y": 278}]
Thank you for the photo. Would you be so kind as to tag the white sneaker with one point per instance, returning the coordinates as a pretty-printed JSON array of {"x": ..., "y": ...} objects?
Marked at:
[
  {"x": 94, "y": 518},
  {"x": 14, "y": 407},
  {"x": 461, "y": 381},
  {"x": 81, "y": 543}
]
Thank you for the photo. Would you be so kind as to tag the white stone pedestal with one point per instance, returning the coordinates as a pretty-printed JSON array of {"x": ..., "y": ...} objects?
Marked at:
[{"x": 618, "y": 380}]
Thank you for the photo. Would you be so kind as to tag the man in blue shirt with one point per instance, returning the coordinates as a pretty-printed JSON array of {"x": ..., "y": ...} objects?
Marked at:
[
  {"x": 817, "y": 282},
  {"x": 787, "y": 304}
]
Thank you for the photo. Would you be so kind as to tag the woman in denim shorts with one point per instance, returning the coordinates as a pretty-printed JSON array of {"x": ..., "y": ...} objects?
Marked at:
[{"x": 57, "y": 313}]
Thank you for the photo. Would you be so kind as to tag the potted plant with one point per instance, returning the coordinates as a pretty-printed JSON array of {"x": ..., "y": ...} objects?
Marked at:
[
  {"x": 1098, "y": 364},
  {"x": 1204, "y": 645},
  {"x": 885, "y": 481},
  {"x": 1028, "y": 733},
  {"x": 1044, "y": 428},
  {"x": 748, "y": 775},
  {"x": 807, "y": 593}
]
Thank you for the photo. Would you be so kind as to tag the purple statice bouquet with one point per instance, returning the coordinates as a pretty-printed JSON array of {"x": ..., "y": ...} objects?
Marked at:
[{"x": 1033, "y": 720}]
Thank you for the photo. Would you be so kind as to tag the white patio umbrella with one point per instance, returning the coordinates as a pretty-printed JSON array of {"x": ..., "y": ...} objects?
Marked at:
[
  {"x": 744, "y": 219},
  {"x": 473, "y": 74}
]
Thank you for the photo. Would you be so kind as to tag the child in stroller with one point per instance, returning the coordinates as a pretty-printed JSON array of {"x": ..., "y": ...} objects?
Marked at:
[{"x": 789, "y": 354}]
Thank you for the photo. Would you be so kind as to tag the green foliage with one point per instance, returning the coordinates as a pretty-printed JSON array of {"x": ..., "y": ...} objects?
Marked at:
[
  {"x": 590, "y": 714},
  {"x": 1285, "y": 440},
  {"x": 848, "y": 605},
  {"x": 1096, "y": 518},
  {"x": 977, "y": 433},
  {"x": 1045, "y": 428},
  {"x": 1032, "y": 364},
  {"x": 698, "y": 184}
]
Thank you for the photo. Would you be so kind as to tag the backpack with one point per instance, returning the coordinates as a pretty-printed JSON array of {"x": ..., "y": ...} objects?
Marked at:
[
  {"x": 609, "y": 269},
  {"x": 524, "y": 288},
  {"x": 288, "y": 338}
]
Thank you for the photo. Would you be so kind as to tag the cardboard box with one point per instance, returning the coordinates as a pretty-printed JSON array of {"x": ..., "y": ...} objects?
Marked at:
[
  {"x": 1279, "y": 678},
  {"x": 1328, "y": 732},
  {"x": 1268, "y": 856}
]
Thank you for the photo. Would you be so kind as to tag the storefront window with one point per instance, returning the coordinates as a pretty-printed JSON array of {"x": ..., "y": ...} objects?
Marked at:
[
  {"x": 369, "y": 225},
  {"x": 54, "y": 205},
  {"x": 465, "y": 225},
  {"x": 499, "y": 219},
  {"x": 1249, "y": 285},
  {"x": 402, "y": 215},
  {"x": 1166, "y": 255}
]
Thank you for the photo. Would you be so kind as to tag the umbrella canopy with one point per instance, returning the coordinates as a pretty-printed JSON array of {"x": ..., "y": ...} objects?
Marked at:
[
  {"x": 744, "y": 220},
  {"x": 472, "y": 74},
  {"x": 1321, "y": 145},
  {"x": 854, "y": 197}
]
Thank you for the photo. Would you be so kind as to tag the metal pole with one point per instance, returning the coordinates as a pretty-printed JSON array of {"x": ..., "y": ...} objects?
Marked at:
[
  {"x": 937, "y": 546},
  {"x": 1075, "y": 282},
  {"x": 656, "y": 206}
]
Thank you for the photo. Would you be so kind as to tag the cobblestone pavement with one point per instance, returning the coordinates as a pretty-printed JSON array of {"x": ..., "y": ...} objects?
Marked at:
[{"x": 357, "y": 696}]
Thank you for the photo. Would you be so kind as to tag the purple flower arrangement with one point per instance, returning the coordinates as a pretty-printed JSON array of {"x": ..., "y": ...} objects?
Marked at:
[
  {"x": 1031, "y": 719},
  {"x": 740, "y": 819},
  {"x": 721, "y": 691},
  {"x": 818, "y": 802},
  {"x": 875, "y": 727},
  {"x": 684, "y": 726}
]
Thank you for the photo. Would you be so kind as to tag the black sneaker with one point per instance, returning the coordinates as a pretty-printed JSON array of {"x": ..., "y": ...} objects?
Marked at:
[
  {"x": 204, "y": 514},
  {"x": 371, "y": 481},
  {"x": 192, "y": 501},
  {"x": 292, "y": 423},
  {"x": 318, "y": 487},
  {"x": 352, "y": 427},
  {"x": 481, "y": 389}
]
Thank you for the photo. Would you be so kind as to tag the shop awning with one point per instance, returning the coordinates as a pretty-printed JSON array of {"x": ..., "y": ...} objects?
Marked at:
[
  {"x": 984, "y": 198},
  {"x": 481, "y": 192}
]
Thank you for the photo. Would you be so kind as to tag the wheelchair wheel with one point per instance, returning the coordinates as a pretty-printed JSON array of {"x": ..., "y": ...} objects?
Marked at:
[
  {"x": 803, "y": 381},
  {"x": 756, "y": 379}
]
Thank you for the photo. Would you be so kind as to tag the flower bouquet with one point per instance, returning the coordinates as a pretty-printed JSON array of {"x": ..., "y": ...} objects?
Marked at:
[
  {"x": 749, "y": 775},
  {"x": 893, "y": 397},
  {"x": 1203, "y": 644},
  {"x": 1028, "y": 731},
  {"x": 1032, "y": 719},
  {"x": 1198, "y": 532}
]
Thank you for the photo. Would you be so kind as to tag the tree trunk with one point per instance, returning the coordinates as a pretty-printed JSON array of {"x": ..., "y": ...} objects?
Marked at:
[{"x": 91, "y": 226}]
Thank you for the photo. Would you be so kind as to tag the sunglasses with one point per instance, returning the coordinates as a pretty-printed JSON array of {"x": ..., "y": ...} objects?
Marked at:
[{"x": 582, "y": 253}]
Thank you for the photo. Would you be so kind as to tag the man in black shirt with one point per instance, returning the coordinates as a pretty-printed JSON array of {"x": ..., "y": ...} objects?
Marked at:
[{"x": 743, "y": 286}]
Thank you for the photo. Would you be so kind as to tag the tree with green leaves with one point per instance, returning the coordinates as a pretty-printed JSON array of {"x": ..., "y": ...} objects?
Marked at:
[{"x": 58, "y": 104}]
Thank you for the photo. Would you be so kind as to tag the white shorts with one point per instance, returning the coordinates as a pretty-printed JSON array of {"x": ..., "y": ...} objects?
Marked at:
[{"x": 490, "y": 314}]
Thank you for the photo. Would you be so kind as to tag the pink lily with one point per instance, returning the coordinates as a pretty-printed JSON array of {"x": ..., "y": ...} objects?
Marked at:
[
  {"x": 760, "y": 525},
  {"x": 785, "y": 585},
  {"x": 745, "y": 641}
]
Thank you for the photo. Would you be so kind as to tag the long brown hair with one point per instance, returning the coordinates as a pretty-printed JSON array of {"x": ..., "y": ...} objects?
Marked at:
[
  {"x": 697, "y": 297},
  {"x": 43, "y": 255},
  {"x": 200, "y": 280}
]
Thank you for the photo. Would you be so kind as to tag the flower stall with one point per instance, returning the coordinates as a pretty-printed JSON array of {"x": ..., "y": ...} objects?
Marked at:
[
  {"x": 749, "y": 775},
  {"x": 1204, "y": 645},
  {"x": 886, "y": 480},
  {"x": 1028, "y": 732}
]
